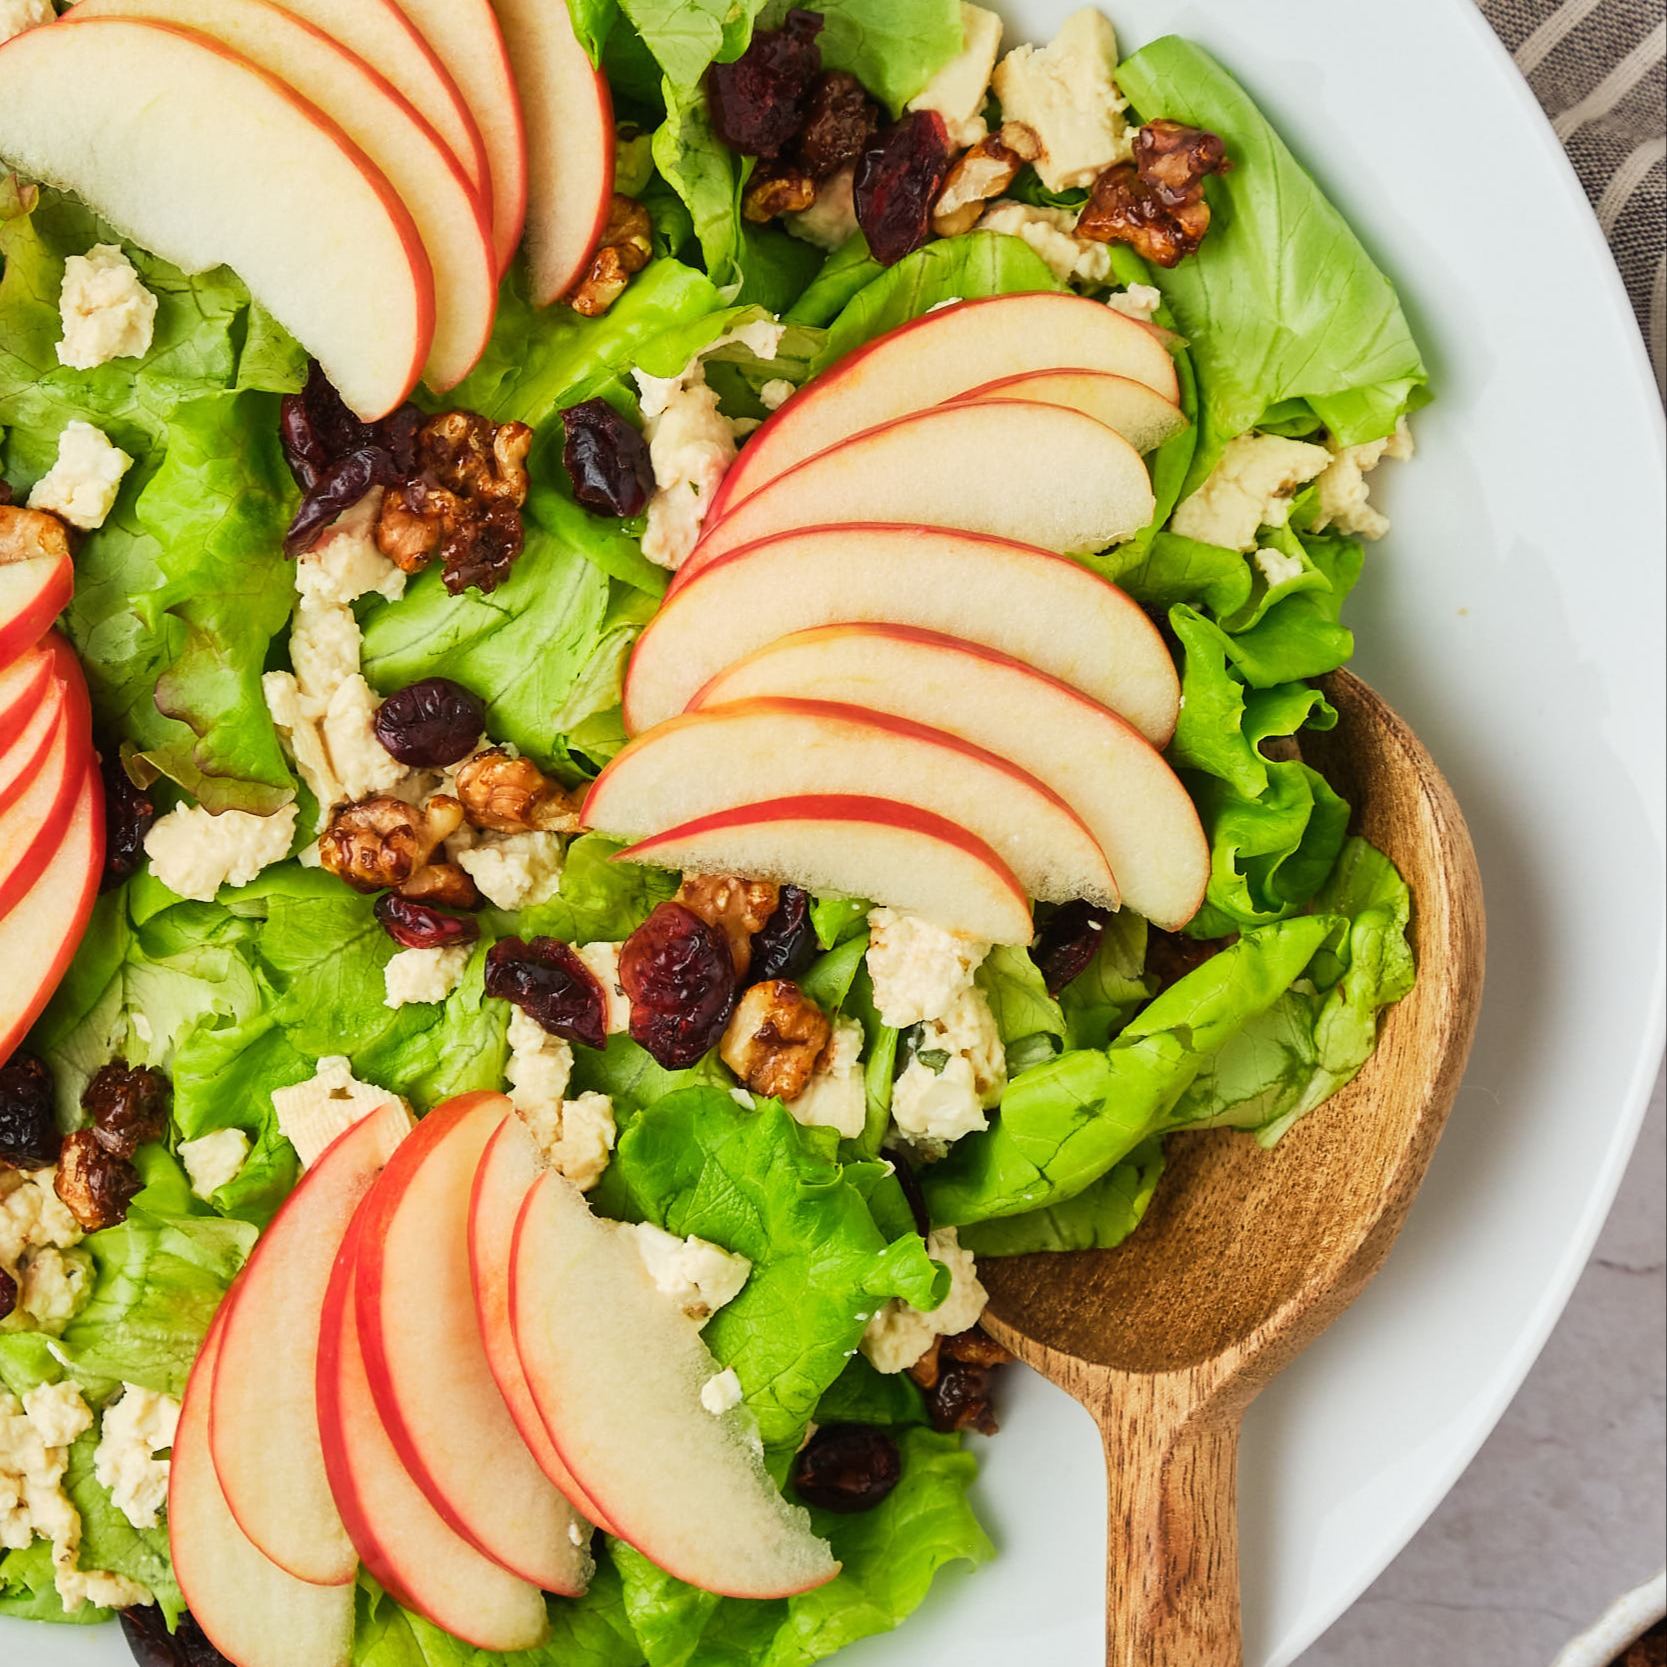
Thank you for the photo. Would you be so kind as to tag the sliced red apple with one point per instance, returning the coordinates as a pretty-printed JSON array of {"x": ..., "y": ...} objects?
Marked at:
[
  {"x": 380, "y": 34},
  {"x": 450, "y": 218},
  {"x": 938, "y": 356},
  {"x": 405, "y": 1543},
  {"x": 1006, "y": 468},
  {"x": 1141, "y": 415},
  {"x": 250, "y": 1610},
  {"x": 265, "y": 1431},
  {"x": 617, "y": 1370},
  {"x": 848, "y": 845},
  {"x": 21, "y": 761},
  {"x": 205, "y": 159},
  {"x": 24, "y": 683},
  {"x": 465, "y": 37},
  {"x": 33, "y": 592},
  {"x": 569, "y": 117},
  {"x": 1114, "y": 779},
  {"x": 33, "y": 826},
  {"x": 43, "y": 930},
  {"x": 1050, "y": 612},
  {"x": 729, "y": 756},
  {"x": 508, "y": 1168},
  {"x": 416, "y": 1306}
]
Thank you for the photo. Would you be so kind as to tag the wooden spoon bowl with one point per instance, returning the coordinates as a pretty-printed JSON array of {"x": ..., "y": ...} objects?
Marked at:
[{"x": 1247, "y": 1255}]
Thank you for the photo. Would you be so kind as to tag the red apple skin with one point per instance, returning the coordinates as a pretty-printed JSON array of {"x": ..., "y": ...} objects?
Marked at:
[
  {"x": 22, "y": 758},
  {"x": 33, "y": 829},
  {"x": 37, "y": 591},
  {"x": 43, "y": 930},
  {"x": 491, "y": 1247},
  {"x": 23, "y": 685},
  {"x": 755, "y": 464},
  {"x": 416, "y": 258}
]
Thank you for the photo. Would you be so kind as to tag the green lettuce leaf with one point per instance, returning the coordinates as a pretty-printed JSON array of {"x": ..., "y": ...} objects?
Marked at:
[
  {"x": 893, "y": 47},
  {"x": 1100, "y": 1217},
  {"x": 1031, "y": 1023},
  {"x": 1111, "y": 988},
  {"x": 1282, "y": 303}
]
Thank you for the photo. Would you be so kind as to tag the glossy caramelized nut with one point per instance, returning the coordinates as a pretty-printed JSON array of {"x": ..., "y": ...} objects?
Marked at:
[
  {"x": 981, "y": 175},
  {"x": 775, "y": 1038},
  {"x": 738, "y": 908},
  {"x": 128, "y": 1106},
  {"x": 627, "y": 247},
  {"x": 512, "y": 795},
  {"x": 95, "y": 1185},
  {"x": 381, "y": 843},
  {"x": 442, "y": 884},
  {"x": 1156, "y": 203}
]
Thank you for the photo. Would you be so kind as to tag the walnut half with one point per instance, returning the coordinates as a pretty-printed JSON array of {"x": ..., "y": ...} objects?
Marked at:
[
  {"x": 28, "y": 533},
  {"x": 627, "y": 247},
  {"x": 380, "y": 843},
  {"x": 1156, "y": 203},
  {"x": 512, "y": 795},
  {"x": 981, "y": 175},
  {"x": 775, "y": 1039},
  {"x": 95, "y": 1185},
  {"x": 738, "y": 908}
]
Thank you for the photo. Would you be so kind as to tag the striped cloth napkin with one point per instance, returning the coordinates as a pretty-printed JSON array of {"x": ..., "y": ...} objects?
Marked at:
[{"x": 1599, "y": 69}]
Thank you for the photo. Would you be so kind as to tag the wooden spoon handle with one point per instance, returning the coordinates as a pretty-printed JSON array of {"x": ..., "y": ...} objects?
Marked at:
[{"x": 1172, "y": 1565}]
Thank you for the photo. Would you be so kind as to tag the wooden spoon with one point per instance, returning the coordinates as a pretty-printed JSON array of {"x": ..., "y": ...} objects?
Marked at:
[{"x": 1246, "y": 1255}]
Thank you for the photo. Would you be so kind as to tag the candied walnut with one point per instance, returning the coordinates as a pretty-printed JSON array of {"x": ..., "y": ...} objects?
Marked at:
[
  {"x": 775, "y": 1038},
  {"x": 512, "y": 795},
  {"x": 29, "y": 1137},
  {"x": 761, "y": 100},
  {"x": 479, "y": 554},
  {"x": 551, "y": 985},
  {"x": 1156, "y": 203},
  {"x": 738, "y": 908},
  {"x": 95, "y": 1185},
  {"x": 412, "y": 522},
  {"x": 607, "y": 460},
  {"x": 841, "y": 120},
  {"x": 679, "y": 972},
  {"x": 956, "y": 1376},
  {"x": 627, "y": 247},
  {"x": 847, "y": 1468},
  {"x": 414, "y": 925},
  {"x": 444, "y": 885},
  {"x": 26, "y": 534},
  {"x": 128, "y": 815},
  {"x": 380, "y": 843},
  {"x": 982, "y": 174},
  {"x": 898, "y": 180},
  {"x": 777, "y": 188},
  {"x": 475, "y": 458},
  {"x": 1069, "y": 942},
  {"x": 128, "y": 1106}
]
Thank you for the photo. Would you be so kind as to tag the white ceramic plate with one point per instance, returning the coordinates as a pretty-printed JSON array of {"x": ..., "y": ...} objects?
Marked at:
[{"x": 1514, "y": 617}]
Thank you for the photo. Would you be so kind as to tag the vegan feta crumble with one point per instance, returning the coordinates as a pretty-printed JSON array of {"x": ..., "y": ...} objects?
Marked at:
[
  {"x": 1344, "y": 491},
  {"x": 899, "y": 1334},
  {"x": 722, "y": 1393},
  {"x": 82, "y": 484},
  {"x": 424, "y": 975},
  {"x": 1250, "y": 488},
  {"x": 917, "y": 968},
  {"x": 513, "y": 871},
  {"x": 106, "y": 312},
  {"x": 1139, "y": 301},
  {"x": 215, "y": 1160},
  {"x": 959, "y": 91},
  {"x": 194, "y": 853},
  {"x": 576, "y": 1137},
  {"x": 603, "y": 961},
  {"x": 700, "y": 1277},
  {"x": 52, "y": 1288},
  {"x": 136, "y": 1426},
  {"x": 836, "y": 1097},
  {"x": 315, "y": 1113},
  {"x": 33, "y": 1218},
  {"x": 959, "y": 1070},
  {"x": 346, "y": 562},
  {"x": 1051, "y": 232}
]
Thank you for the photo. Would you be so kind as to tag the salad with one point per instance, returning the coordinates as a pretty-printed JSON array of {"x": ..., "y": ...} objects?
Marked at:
[{"x": 653, "y": 662}]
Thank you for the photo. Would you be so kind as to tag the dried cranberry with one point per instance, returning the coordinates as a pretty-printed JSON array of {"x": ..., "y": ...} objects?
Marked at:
[
  {"x": 960, "y": 1399},
  {"x": 417, "y": 926},
  {"x": 549, "y": 983},
  {"x": 680, "y": 975},
  {"x": 847, "y": 1468},
  {"x": 760, "y": 101},
  {"x": 128, "y": 815},
  {"x": 339, "y": 488},
  {"x": 29, "y": 1137},
  {"x": 128, "y": 1105},
  {"x": 841, "y": 121},
  {"x": 786, "y": 943},
  {"x": 898, "y": 179},
  {"x": 148, "y": 1637},
  {"x": 8, "y": 1295},
  {"x": 1069, "y": 942},
  {"x": 607, "y": 459},
  {"x": 431, "y": 724}
]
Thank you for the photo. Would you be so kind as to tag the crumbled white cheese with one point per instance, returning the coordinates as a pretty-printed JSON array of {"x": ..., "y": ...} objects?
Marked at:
[
  {"x": 603, "y": 960},
  {"x": 722, "y": 1393},
  {"x": 775, "y": 393},
  {"x": 107, "y": 313},
  {"x": 836, "y": 1096},
  {"x": 1250, "y": 488},
  {"x": 586, "y": 1143},
  {"x": 514, "y": 871},
  {"x": 137, "y": 1426},
  {"x": 917, "y": 968},
  {"x": 214, "y": 1161},
  {"x": 1067, "y": 93},
  {"x": 691, "y": 445},
  {"x": 82, "y": 484},
  {"x": 1344, "y": 492},
  {"x": 18, "y": 15},
  {"x": 831, "y": 221},
  {"x": 1137, "y": 301},
  {"x": 958, "y": 1071},
  {"x": 194, "y": 853},
  {"x": 1051, "y": 232},
  {"x": 346, "y": 562},
  {"x": 313, "y": 1114},
  {"x": 32, "y": 1217},
  {"x": 959, "y": 91},
  {"x": 424, "y": 975},
  {"x": 899, "y": 1335},
  {"x": 700, "y": 1277},
  {"x": 1277, "y": 567},
  {"x": 538, "y": 1070},
  {"x": 52, "y": 1288},
  {"x": 58, "y": 1413}
]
